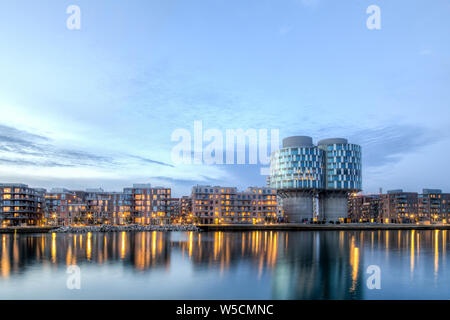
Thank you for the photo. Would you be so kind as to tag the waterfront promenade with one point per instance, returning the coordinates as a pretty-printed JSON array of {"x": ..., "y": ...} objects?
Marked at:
[
  {"x": 27, "y": 229},
  {"x": 259, "y": 227}
]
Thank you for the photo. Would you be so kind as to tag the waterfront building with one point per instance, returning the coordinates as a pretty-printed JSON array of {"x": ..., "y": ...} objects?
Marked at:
[
  {"x": 186, "y": 209},
  {"x": 21, "y": 205},
  {"x": 399, "y": 206},
  {"x": 64, "y": 207},
  {"x": 119, "y": 208},
  {"x": 433, "y": 205},
  {"x": 314, "y": 181},
  {"x": 364, "y": 208},
  {"x": 343, "y": 176},
  {"x": 140, "y": 204},
  {"x": 174, "y": 210},
  {"x": 149, "y": 205},
  {"x": 221, "y": 205},
  {"x": 98, "y": 203}
]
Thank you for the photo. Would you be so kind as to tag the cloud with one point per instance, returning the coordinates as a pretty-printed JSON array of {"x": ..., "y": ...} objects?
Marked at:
[
  {"x": 388, "y": 144},
  {"x": 146, "y": 160},
  {"x": 19, "y": 162},
  {"x": 21, "y": 148}
]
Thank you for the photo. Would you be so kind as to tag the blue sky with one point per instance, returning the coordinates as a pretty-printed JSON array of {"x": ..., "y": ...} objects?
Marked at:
[{"x": 97, "y": 106}]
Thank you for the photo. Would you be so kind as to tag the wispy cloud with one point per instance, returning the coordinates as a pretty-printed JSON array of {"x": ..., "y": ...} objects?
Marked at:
[
  {"x": 30, "y": 158},
  {"x": 389, "y": 144},
  {"x": 146, "y": 160},
  {"x": 22, "y": 148}
]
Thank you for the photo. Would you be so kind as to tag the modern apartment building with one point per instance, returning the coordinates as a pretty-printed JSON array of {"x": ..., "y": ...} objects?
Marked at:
[
  {"x": 98, "y": 204},
  {"x": 186, "y": 209},
  {"x": 364, "y": 208},
  {"x": 140, "y": 204},
  {"x": 314, "y": 180},
  {"x": 21, "y": 205},
  {"x": 149, "y": 205},
  {"x": 119, "y": 208},
  {"x": 64, "y": 207},
  {"x": 433, "y": 205},
  {"x": 222, "y": 205},
  {"x": 397, "y": 206}
]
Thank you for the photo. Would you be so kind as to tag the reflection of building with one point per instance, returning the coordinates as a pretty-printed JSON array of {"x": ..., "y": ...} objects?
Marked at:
[
  {"x": 228, "y": 205},
  {"x": 20, "y": 204},
  {"x": 320, "y": 265},
  {"x": 302, "y": 172}
]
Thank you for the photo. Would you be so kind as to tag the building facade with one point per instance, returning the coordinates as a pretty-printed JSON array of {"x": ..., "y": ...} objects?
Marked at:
[
  {"x": 222, "y": 205},
  {"x": 397, "y": 206},
  {"x": 186, "y": 209},
  {"x": 63, "y": 207},
  {"x": 141, "y": 204},
  {"x": 364, "y": 208},
  {"x": 433, "y": 205},
  {"x": 21, "y": 205},
  {"x": 149, "y": 205}
]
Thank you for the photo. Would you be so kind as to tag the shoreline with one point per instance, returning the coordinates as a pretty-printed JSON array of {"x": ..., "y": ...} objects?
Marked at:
[
  {"x": 104, "y": 228},
  {"x": 226, "y": 228},
  {"x": 316, "y": 227},
  {"x": 26, "y": 229}
]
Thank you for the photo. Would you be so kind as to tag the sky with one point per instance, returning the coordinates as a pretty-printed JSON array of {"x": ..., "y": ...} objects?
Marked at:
[{"x": 97, "y": 107}]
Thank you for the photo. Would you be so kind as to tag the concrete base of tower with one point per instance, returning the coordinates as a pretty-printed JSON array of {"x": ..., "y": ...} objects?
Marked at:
[
  {"x": 333, "y": 206},
  {"x": 297, "y": 206}
]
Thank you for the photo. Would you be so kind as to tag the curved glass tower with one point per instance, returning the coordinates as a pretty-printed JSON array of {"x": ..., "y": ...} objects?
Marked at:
[
  {"x": 301, "y": 171},
  {"x": 298, "y": 165},
  {"x": 342, "y": 174},
  {"x": 342, "y": 165},
  {"x": 296, "y": 173}
]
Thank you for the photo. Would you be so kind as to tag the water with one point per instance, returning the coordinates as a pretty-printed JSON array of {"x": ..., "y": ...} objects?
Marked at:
[{"x": 221, "y": 265}]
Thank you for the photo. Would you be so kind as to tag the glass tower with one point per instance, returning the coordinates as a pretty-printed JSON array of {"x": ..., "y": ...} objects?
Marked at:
[{"x": 302, "y": 172}]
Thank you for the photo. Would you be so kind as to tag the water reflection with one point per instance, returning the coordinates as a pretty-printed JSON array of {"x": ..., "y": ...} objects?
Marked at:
[{"x": 291, "y": 265}]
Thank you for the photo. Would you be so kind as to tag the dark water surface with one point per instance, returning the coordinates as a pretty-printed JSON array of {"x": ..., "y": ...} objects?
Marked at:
[{"x": 221, "y": 265}]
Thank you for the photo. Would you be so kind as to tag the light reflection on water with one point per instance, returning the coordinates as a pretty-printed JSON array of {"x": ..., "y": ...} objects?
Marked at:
[{"x": 220, "y": 265}]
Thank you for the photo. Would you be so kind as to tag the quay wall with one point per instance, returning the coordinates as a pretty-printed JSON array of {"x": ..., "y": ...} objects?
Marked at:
[{"x": 315, "y": 227}]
